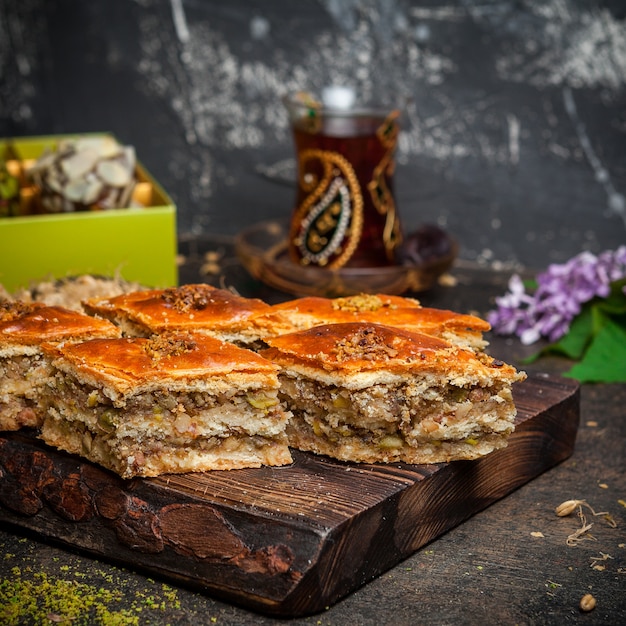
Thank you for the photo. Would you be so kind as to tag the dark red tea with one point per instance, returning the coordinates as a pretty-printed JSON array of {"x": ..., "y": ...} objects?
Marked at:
[{"x": 345, "y": 213}]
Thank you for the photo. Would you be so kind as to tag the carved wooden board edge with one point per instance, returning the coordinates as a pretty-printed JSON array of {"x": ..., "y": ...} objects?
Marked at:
[{"x": 282, "y": 541}]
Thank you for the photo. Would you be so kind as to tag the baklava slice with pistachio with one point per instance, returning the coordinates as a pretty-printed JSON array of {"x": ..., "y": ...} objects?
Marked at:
[
  {"x": 23, "y": 366},
  {"x": 370, "y": 393},
  {"x": 199, "y": 308},
  {"x": 172, "y": 403},
  {"x": 396, "y": 311}
]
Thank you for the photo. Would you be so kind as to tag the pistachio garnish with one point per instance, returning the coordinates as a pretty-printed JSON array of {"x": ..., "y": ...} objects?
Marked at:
[{"x": 569, "y": 506}]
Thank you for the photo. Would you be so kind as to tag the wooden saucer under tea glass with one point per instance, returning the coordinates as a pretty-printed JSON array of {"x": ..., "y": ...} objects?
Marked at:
[{"x": 262, "y": 249}]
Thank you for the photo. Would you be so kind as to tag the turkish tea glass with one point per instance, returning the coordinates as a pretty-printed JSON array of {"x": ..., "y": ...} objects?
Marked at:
[{"x": 345, "y": 213}]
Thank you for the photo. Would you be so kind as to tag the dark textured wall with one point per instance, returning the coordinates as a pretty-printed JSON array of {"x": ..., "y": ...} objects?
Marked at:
[{"x": 514, "y": 137}]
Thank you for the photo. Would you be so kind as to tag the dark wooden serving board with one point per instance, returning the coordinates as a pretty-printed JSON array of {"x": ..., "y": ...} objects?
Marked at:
[{"x": 285, "y": 541}]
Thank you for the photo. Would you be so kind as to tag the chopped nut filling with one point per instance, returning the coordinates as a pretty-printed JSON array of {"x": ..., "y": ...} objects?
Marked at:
[
  {"x": 163, "y": 430},
  {"x": 359, "y": 303},
  {"x": 187, "y": 298},
  {"x": 21, "y": 378},
  {"x": 164, "y": 346},
  {"x": 397, "y": 416},
  {"x": 366, "y": 344},
  {"x": 13, "y": 309}
]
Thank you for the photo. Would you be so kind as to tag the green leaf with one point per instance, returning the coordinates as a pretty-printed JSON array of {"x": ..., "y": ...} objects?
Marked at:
[
  {"x": 605, "y": 358},
  {"x": 615, "y": 302},
  {"x": 581, "y": 331}
]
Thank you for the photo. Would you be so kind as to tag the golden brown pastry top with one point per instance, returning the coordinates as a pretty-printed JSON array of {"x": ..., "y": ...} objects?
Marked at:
[
  {"x": 358, "y": 347},
  {"x": 394, "y": 311},
  {"x": 103, "y": 304},
  {"x": 34, "y": 323},
  {"x": 168, "y": 360},
  {"x": 181, "y": 308}
]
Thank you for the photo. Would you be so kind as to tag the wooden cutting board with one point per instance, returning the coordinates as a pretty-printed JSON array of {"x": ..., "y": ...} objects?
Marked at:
[{"x": 286, "y": 541}]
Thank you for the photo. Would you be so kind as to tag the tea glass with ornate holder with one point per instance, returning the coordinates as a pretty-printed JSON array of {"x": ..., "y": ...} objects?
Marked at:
[
  {"x": 345, "y": 213},
  {"x": 344, "y": 234}
]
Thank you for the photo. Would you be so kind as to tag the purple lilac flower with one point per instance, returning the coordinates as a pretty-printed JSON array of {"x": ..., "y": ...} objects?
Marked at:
[{"x": 561, "y": 291}]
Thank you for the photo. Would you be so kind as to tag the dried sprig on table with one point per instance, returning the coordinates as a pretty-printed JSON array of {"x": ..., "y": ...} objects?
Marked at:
[
  {"x": 579, "y": 306},
  {"x": 569, "y": 506}
]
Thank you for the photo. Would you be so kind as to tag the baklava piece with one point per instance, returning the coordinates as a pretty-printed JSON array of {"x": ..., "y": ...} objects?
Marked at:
[
  {"x": 396, "y": 311},
  {"x": 173, "y": 403},
  {"x": 198, "y": 308},
  {"x": 23, "y": 367},
  {"x": 369, "y": 393}
]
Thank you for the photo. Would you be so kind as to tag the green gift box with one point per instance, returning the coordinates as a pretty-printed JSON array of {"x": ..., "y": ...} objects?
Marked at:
[{"x": 134, "y": 244}]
